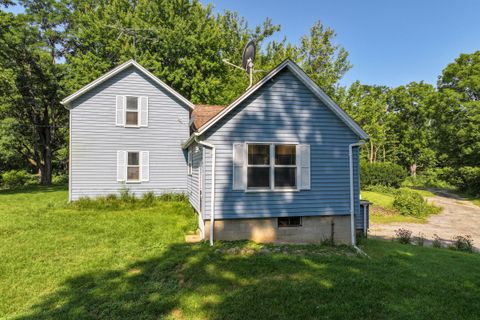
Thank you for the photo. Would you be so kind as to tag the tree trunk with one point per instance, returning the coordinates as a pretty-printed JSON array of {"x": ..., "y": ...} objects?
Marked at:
[
  {"x": 370, "y": 158},
  {"x": 413, "y": 169},
  {"x": 45, "y": 149}
]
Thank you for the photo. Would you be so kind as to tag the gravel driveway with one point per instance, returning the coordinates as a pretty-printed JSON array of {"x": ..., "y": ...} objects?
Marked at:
[{"x": 459, "y": 217}]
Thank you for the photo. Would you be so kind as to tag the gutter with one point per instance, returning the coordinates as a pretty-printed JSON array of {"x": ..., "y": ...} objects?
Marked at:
[
  {"x": 352, "y": 196},
  {"x": 212, "y": 196}
]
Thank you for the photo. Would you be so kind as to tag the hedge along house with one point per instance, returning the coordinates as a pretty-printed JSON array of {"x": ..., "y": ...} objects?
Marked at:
[{"x": 281, "y": 163}]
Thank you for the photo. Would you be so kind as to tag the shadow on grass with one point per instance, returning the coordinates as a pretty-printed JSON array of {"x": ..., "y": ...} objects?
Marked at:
[{"x": 238, "y": 282}]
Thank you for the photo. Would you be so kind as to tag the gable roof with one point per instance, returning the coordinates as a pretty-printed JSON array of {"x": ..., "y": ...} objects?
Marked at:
[
  {"x": 203, "y": 113},
  {"x": 305, "y": 79},
  {"x": 117, "y": 70}
]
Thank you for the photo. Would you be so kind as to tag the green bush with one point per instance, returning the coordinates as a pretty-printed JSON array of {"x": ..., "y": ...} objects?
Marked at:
[
  {"x": 410, "y": 203},
  {"x": 60, "y": 178},
  {"x": 382, "y": 173},
  {"x": 18, "y": 178},
  {"x": 469, "y": 179},
  {"x": 431, "y": 178}
]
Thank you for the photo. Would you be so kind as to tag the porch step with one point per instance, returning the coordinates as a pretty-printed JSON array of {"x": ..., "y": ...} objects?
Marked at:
[{"x": 193, "y": 238}]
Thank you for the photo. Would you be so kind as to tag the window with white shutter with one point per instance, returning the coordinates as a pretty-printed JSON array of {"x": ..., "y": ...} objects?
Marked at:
[
  {"x": 271, "y": 167},
  {"x": 121, "y": 165},
  {"x": 145, "y": 165},
  {"x": 143, "y": 111},
  {"x": 304, "y": 151},
  {"x": 238, "y": 166},
  {"x": 120, "y": 111}
]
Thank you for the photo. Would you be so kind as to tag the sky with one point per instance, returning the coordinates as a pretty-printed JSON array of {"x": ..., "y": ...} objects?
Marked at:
[{"x": 390, "y": 42}]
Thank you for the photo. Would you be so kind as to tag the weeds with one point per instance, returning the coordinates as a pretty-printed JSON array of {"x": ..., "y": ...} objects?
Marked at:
[
  {"x": 126, "y": 200},
  {"x": 404, "y": 236},
  {"x": 463, "y": 243},
  {"x": 436, "y": 243}
]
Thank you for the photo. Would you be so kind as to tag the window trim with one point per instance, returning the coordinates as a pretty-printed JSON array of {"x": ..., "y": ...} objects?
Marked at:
[
  {"x": 126, "y": 110},
  {"x": 139, "y": 168},
  {"x": 272, "y": 167}
]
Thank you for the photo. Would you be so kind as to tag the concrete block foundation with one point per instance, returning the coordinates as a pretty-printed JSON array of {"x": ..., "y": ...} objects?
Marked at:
[{"x": 264, "y": 230}]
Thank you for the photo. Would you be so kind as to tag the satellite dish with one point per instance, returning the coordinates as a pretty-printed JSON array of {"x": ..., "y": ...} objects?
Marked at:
[{"x": 248, "y": 56}]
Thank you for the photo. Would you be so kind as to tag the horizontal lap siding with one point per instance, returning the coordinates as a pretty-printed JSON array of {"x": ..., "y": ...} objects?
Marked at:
[
  {"x": 284, "y": 111},
  {"x": 96, "y": 138},
  {"x": 194, "y": 179}
]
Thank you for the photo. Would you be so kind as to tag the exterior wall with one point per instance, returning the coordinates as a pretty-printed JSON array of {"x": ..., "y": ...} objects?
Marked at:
[
  {"x": 313, "y": 230},
  {"x": 95, "y": 138},
  {"x": 284, "y": 111},
  {"x": 193, "y": 181}
]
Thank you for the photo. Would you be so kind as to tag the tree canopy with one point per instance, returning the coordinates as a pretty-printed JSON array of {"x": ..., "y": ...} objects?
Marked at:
[{"x": 58, "y": 46}]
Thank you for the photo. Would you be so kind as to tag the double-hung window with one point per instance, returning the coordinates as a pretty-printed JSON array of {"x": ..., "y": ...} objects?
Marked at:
[
  {"x": 132, "y": 111},
  {"x": 271, "y": 166},
  {"x": 133, "y": 167}
]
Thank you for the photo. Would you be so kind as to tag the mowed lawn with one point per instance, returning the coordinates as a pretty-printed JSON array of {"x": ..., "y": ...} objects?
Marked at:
[{"x": 58, "y": 262}]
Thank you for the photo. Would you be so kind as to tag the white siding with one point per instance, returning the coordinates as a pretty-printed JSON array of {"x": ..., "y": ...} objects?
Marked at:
[{"x": 95, "y": 138}]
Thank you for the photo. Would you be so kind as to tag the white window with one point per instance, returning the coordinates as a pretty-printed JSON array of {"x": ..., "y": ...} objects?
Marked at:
[
  {"x": 133, "y": 167},
  {"x": 132, "y": 111},
  {"x": 271, "y": 166}
]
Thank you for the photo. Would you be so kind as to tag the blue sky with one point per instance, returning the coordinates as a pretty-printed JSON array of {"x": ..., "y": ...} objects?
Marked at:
[{"x": 390, "y": 42}]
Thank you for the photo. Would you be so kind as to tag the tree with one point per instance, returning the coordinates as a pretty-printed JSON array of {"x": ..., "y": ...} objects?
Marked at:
[
  {"x": 323, "y": 60},
  {"x": 458, "y": 111},
  {"x": 181, "y": 42},
  {"x": 367, "y": 105},
  {"x": 412, "y": 109},
  {"x": 29, "y": 89}
]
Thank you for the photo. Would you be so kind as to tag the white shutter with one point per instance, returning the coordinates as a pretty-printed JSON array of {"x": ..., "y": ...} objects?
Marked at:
[
  {"x": 121, "y": 165},
  {"x": 239, "y": 162},
  {"x": 120, "y": 107},
  {"x": 145, "y": 165},
  {"x": 143, "y": 111},
  {"x": 304, "y": 166}
]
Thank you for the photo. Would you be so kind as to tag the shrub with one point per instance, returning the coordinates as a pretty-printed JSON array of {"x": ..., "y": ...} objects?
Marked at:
[
  {"x": 382, "y": 189},
  {"x": 18, "y": 178},
  {"x": 469, "y": 179},
  {"x": 403, "y": 235},
  {"x": 382, "y": 173},
  {"x": 180, "y": 197},
  {"x": 60, "y": 178},
  {"x": 420, "y": 240},
  {"x": 431, "y": 178},
  {"x": 437, "y": 242},
  {"x": 463, "y": 243},
  {"x": 410, "y": 203}
]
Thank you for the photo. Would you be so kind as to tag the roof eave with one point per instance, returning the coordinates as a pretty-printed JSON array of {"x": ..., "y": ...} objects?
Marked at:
[{"x": 67, "y": 101}]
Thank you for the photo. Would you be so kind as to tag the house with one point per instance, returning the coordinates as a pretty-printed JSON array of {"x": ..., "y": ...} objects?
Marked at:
[{"x": 280, "y": 163}]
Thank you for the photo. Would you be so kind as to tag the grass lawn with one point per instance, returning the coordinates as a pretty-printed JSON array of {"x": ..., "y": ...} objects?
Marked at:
[
  {"x": 382, "y": 210},
  {"x": 64, "y": 263}
]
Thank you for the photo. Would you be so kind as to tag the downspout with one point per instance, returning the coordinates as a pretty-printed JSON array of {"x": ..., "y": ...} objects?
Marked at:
[
  {"x": 352, "y": 196},
  {"x": 212, "y": 196}
]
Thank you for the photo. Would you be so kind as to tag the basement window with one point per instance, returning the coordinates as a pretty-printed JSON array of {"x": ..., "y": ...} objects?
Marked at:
[{"x": 289, "y": 222}]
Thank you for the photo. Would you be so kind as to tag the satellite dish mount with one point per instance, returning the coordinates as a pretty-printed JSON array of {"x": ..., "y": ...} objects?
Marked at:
[{"x": 248, "y": 57}]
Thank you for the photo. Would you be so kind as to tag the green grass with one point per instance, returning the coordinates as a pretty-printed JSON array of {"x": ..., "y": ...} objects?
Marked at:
[
  {"x": 382, "y": 211},
  {"x": 59, "y": 262}
]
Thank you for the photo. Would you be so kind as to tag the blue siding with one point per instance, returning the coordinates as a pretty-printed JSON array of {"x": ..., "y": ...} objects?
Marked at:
[
  {"x": 95, "y": 138},
  {"x": 284, "y": 111}
]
